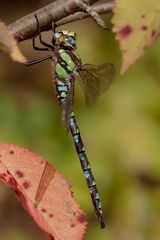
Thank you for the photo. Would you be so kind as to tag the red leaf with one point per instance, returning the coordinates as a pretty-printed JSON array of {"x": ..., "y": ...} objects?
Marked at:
[{"x": 43, "y": 192}]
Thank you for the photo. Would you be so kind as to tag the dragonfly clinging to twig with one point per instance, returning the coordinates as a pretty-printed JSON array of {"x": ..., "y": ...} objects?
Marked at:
[{"x": 67, "y": 67}]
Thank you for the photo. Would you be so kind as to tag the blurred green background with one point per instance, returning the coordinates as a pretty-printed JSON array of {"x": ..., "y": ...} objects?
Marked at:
[{"x": 121, "y": 134}]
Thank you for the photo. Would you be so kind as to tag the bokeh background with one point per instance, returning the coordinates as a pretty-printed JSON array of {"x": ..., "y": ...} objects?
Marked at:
[{"x": 121, "y": 133}]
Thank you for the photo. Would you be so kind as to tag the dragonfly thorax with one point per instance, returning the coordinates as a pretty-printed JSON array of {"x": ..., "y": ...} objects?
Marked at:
[
  {"x": 66, "y": 39},
  {"x": 67, "y": 62}
]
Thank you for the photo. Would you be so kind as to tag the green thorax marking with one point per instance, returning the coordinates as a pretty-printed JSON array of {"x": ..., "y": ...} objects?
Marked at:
[
  {"x": 63, "y": 71},
  {"x": 60, "y": 71}
]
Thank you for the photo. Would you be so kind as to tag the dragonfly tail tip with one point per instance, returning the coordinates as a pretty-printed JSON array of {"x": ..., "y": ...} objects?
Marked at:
[{"x": 101, "y": 221}]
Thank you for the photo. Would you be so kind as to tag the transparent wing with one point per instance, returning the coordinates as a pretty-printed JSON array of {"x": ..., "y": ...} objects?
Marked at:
[{"x": 96, "y": 80}]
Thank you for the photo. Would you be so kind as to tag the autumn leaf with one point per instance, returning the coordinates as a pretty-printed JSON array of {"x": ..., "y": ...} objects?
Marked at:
[
  {"x": 43, "y": 191},
  {"x": 136, "y": 24},
  {"x": 9, "y": 45}
]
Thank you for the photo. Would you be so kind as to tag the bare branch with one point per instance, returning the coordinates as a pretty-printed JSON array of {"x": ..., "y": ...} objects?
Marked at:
[
  {"x": 58, "y": 11},
  {"x": 26, "y": 27}
]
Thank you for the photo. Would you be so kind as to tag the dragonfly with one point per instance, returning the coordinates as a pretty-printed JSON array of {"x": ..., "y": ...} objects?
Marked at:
[{"x": 67, "y": 68}]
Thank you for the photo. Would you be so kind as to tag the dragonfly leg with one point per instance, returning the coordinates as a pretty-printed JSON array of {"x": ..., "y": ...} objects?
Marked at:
[
  {"x": 40, "y": 36},
  {"x": 53, "y": 26},
  {"x": 32, "y": 62},
  {"x": 38, "y": 48},
  {"x": 53, "y": 33}
]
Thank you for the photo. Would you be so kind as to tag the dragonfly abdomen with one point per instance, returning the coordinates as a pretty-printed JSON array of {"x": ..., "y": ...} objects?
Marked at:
[
  {"x": 86, "y": 167},
  {"x": 62, "y": 92}
]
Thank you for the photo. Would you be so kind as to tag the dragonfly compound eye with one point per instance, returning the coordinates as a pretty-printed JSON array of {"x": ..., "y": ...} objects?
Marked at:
[{"x": 72, "y": 40}]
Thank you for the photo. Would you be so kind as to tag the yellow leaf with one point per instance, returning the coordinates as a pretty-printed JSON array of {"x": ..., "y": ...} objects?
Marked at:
[
  {"x": 136, "y": 24},
  {"x": 9, "y": 45}
]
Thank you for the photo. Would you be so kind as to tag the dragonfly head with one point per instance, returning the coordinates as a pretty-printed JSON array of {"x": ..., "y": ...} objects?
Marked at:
[{"x": 66, "y": 39}]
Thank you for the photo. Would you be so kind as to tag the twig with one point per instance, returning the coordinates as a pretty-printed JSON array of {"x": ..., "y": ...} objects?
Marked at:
[
  {"x": 57, "y": 11},
  {"x": 100, "y": 8},
  {"x": 89, "y": 9}
]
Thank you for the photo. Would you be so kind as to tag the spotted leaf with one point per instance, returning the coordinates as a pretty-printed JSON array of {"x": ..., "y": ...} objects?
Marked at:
[
  {"x": 136, "y": 24},
  {"x": 43, "y": 191}
]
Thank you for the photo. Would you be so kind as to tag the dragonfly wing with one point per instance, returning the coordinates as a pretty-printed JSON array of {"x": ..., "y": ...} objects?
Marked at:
[{"x": 96, "y": 80}]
